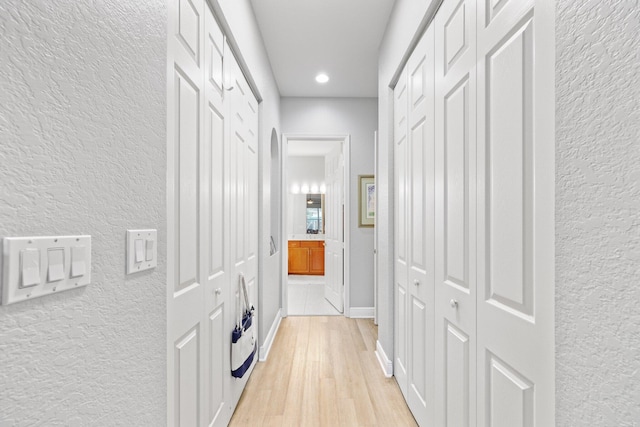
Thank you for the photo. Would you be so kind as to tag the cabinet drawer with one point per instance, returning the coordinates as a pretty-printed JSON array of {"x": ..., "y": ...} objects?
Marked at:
[
  {"x": 294, "y": 243},
  {"x": 312, "y": 243}
]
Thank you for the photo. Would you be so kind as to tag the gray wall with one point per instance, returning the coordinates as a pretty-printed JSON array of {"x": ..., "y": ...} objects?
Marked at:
[
  {"x": 83, "y": 150},
  {"x": 358, "y": 118},
  {"x": 598, "y": 213}
]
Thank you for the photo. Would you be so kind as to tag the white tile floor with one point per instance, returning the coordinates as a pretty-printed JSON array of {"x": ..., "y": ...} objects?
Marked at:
[{"x": 306, "y": 297}]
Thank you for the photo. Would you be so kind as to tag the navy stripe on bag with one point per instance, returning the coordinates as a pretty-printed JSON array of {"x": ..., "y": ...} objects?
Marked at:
[{"x": 238, "y": 373}]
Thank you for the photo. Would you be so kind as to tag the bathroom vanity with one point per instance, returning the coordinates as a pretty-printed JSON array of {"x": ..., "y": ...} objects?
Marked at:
[{"x": 306, "y": 257}]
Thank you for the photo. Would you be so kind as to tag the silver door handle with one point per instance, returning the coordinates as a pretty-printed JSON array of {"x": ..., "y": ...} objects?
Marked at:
[
  {"x": 453, "y": 303},
  {"x": 218, "y": 291},
  {"x": 416, "y": 283}
]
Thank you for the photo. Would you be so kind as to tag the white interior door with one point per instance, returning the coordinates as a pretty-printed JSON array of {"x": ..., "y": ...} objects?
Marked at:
[
  {"x": 400, "y": 231},
  {"x": 214, "y": 238},
  {"x": 420, "y": 190},
  {"x": 244, "y": 193},
  {"x": 186, "y": 328},
  {"x": 480, "y": 81},
  {"x": 375, "y": 232},
  {"x": 334, "y": 228},
  {"x": 515, "y": 214},
  {"x": 455, "y": 118},
  {"x": 212, "y": 179}
]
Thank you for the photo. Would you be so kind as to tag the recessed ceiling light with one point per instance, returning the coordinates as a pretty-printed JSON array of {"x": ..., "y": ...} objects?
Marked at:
[{"x": 322, "y": 78}]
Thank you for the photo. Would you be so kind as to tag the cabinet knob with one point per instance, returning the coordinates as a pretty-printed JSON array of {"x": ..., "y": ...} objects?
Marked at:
[
  {"x": 218, "y": 291},
  {"x": 416, "y": 283},
  {"x": 453, "y": 303}
]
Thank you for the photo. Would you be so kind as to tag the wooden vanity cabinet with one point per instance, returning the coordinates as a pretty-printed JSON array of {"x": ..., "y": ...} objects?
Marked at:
[{"x": 306, "y": 257}]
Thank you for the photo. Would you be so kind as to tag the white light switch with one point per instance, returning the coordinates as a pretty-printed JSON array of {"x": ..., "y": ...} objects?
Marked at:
[
  {"x": 149, "y": 250},
  {"x": 141, "y": 250},
  {"x": 55, "y": 262},
  {"x": 78, "y": 266},
  {"x": 36, "y": 266},
  {"x": 30, "y": 267}
]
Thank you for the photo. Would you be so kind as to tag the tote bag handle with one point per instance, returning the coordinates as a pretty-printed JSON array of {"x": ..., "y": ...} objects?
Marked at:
[{"x": 243, "y": 297}]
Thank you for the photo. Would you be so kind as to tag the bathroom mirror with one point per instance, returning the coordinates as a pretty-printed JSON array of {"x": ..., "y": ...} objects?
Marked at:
[{"x": 315, "y": 213}]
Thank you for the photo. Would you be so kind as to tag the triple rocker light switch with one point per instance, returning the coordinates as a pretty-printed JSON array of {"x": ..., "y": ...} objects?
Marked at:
[{"x": 38, "y": 266}]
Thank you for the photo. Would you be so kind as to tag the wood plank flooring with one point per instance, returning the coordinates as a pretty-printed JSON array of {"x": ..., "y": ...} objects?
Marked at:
[{"x": 322, "y": 371}]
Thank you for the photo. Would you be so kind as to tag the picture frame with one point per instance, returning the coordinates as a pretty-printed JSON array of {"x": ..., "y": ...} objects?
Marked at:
[{"x": 366, "y": 201}]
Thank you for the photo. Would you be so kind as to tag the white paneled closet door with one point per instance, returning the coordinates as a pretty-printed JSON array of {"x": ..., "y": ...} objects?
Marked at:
[
  {"x": 214, "y": 238},
  {"x": 400, "y": 257},
  {"x": 474, "y": 205},
  {"x": 420, "y": 240},
  {"x": 515, "y": 213},
  {"x": 207, "y": 248},
  {"x": 456, "y": 282},
  {"x": 186, "y": 327},
  {"x": 243, "y": 126}
]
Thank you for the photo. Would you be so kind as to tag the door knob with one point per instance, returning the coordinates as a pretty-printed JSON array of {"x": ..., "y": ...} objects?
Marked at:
[
  {"x": 453, "y": 303},
  {"x": 416, "y": 283},
  {"x": 218, "y": 291}
]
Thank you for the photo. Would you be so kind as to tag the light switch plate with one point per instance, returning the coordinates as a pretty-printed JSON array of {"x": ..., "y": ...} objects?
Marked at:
[
  {"x": 149, "y": 240},
  {"x": 12, "y": 280}
]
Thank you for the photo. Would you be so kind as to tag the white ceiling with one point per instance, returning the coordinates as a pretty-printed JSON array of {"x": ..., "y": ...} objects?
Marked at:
[
  {"x": 310, "y": 148},
  {"x": 338, "y": 37}
]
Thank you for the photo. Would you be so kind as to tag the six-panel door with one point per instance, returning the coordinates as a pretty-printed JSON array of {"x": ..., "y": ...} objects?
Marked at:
[
  {"x": 491, "y": 110},
  {"x": 420, "y": 241},
  {"x": 456, "y": 288},
  {"x": 515, "y": 213},
  {"x": 211, "y": 129}
]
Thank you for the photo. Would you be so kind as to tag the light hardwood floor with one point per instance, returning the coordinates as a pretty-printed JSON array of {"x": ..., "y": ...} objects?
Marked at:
[{"x": 322, "y": 371}]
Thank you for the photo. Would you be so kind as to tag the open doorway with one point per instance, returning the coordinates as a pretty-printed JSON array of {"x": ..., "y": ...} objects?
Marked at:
[{"x": 313, "y": 238}]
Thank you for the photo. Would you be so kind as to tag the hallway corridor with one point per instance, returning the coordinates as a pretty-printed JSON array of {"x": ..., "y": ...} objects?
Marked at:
[{"x": 322, "y": 371}]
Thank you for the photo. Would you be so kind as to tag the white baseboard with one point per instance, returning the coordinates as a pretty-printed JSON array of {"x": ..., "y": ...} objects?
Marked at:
[
  {"x": 268, "y": 342},
  {"x": 385, "y": 363},
  {"x": 361, "y": 312}
]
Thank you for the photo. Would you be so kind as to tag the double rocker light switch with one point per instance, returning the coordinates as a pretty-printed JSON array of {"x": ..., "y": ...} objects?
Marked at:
[
  {"x": 142, "y": 252},
  {"x": 38, "y": 266}
]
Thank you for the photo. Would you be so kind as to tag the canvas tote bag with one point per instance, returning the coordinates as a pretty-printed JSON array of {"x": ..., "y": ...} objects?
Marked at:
[{"x": 243, "y": 337}]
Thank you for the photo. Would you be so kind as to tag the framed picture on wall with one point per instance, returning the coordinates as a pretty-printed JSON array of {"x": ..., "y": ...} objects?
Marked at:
[{"x": 366, "y": 201}]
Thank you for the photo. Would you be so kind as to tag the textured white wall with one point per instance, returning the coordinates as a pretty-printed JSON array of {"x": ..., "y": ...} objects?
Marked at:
[
  {"x": 83, "y": 150},
  {"x": 598, "y": 213},
  {"x": 344, "y": 116}
]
